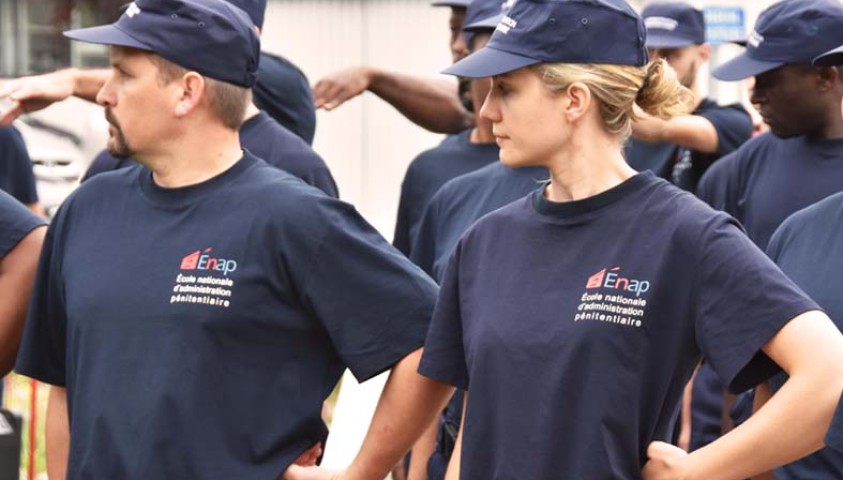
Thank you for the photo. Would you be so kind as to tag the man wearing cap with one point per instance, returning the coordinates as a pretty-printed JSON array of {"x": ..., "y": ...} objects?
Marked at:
[
  {"x": 800, "y": 160},
  {"x": 458, "y": 154},
  {"x": 282, "y": 90},
  {"x": 809, "y": 249},
  {"x": 682, "y": 148},
  {"x": 260, "y": 134},
  {"x": 279, "y": 125},
  {"x": 429, "y": 103},
  {"x": 193, "y": 312}
]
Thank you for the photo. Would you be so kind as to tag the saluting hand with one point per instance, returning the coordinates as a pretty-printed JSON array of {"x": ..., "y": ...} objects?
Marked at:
[
  {"x": 29, "y": 94},
  {"x": 666, "y": 462},
  {"x": 336, "y": 89}
]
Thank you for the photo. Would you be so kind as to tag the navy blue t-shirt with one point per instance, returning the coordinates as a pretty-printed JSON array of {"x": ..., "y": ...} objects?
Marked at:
[
  {"x": 16, "y": 221},
  {"x": 460, "y": 203},
  {"x": 455, "y": 156},
  {"x": 808, "y": 247},
  {"x": 284, "y": 93},
  {"x": 575, "y": 326},
  {"x": 684, "y": 167},
  {"x": 267, "y": 140},
  {"x": 451, "y": 211},
  {"x": 761, "y": 184},
  {"x": 770, "y": 178},
  {"x": 16, "y": 176},
  {"x": 199, "y": 329}
]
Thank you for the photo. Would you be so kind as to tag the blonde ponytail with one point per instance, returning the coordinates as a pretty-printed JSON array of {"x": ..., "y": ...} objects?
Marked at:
[
  {"x": 617, "y": 88},
  {"x": 661, "y": 95}
]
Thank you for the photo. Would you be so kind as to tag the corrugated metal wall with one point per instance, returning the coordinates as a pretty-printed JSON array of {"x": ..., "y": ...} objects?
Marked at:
[{"x": 366, "y": 142}]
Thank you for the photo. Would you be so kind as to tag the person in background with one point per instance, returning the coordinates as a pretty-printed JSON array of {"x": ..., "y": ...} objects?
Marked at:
[
  {"x": 430, "y": 103},
  {"x": 794, "y": 165},
  {"x": 464, "y": 152},
  {"x": 809, "y": 249},
  {"x": 682, "y": 148},
  {"x": 260, "y": 133},
  {"x": 282, "y": 89}
]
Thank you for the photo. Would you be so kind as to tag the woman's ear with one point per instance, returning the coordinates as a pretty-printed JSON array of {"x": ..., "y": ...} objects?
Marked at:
[{"x": 579, "y": 101}]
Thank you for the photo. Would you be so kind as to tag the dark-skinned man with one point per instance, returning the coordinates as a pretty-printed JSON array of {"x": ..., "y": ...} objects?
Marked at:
[{"x": 797, "y": 163}]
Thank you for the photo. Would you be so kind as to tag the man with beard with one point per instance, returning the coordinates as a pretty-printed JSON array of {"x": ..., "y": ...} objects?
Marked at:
[
  {"x": 194, "y": 311},
  {"x": 284, "y": 145},
  {"x": 681, "y": 149},
  {"x": 796, "y": 164}
]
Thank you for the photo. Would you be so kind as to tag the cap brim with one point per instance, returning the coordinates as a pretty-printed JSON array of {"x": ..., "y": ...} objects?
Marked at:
[
  {"x": 655, "y": 40},
  {"x": 831, "y": 58},
  {"x": 743, "y": 66},
  {"x": 488, "y": 62},
  {"x": 105, "y": 35}
]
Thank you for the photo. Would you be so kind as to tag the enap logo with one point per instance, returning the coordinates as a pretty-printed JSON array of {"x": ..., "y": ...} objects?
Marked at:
[
  {"x": 133, "y": 10},
  {"x": 507, "y": 24},
  {"x": 611, "y": 278},
  {"x": 202, "y": 260}
]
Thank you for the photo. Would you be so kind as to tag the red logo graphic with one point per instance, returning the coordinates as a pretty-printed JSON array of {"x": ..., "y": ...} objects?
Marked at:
[
  {"x": 596, "y": 280},
  {"x": 191, "y": 261}
]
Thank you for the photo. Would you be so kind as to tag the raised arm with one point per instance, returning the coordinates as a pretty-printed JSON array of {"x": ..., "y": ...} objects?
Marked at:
[
  {"x": 693, "y": 132},
  {"x": 40, "y": 91},
  {"x": 431, "y": 103}
]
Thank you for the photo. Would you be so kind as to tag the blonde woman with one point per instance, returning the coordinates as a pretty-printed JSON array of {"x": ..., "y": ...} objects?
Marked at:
[{"x": 575, "y": 316}]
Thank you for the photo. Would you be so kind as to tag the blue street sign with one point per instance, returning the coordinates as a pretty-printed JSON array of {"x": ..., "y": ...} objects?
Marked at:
[{"x": 724, "y": 24}]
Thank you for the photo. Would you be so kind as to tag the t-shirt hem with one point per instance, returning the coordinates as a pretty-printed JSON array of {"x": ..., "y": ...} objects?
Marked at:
[{"x": 429, "y": 369}]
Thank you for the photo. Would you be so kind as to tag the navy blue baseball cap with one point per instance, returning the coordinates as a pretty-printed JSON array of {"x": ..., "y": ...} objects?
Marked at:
[
  {"x": 211, "y": 37},
  {"x": 486, "y": 18},
  {"x": 452, "y": 3},
  {"x": 256, "y": 9},
  {"x": 482, "y": 9},
  {"x": 831, "y": 58},
  {"x": 673, "y": 25},
  {"x": 790, "y": 32},
  {"x": 559, "y": 31}
]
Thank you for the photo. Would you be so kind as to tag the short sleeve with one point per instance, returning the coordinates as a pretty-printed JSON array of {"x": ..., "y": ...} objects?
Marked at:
[
  {"x": 21, "y": 178},
  {"x": 16, "y": 221},
  {"x": 733, "y": 125},
  {"x": 743, "y": 300},
  {"x": 444, "y": 356},
  {"x": 44, "y": 343},
  {"x": 375, "y": 304}
]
